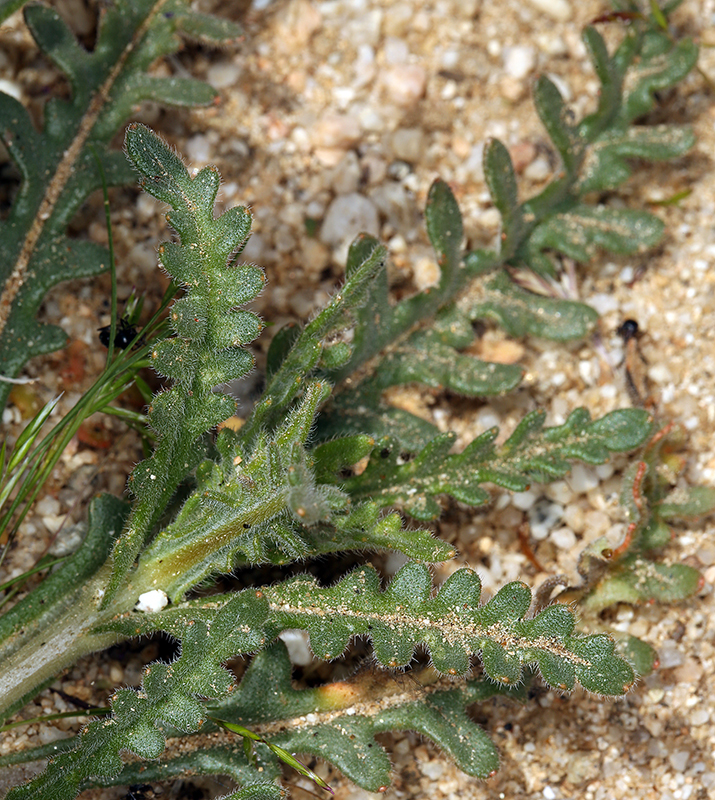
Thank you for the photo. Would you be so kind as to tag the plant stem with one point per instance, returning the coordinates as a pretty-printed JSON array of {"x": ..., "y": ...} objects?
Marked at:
[{"x": 56, "y": 640}]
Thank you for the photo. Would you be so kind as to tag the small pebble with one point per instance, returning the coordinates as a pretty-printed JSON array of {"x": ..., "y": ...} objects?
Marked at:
[
  {"x": 364, "y": 66},
  {"x": 522, "y": 154},
  {"x": 373, "y": 168},
  {"x": 316, "y": 256},
  {"x": 538, "y": 170},
  {"x": 399, "y": 18},
  {"x": 559, "y": 10},
  {"x": 559, "y": 492},
  {"x": 198, "y": 149},
  {"x": 48, "y": 506},
  {"x": 348, "y": 215},
  {"x": 574, "y": 517},
  {"x": 432, "y": 769},
  {"x": 296, "y": 643},
  {"x": 488, "y": 418},
  {"x": 116, "y": 673},
  {"x": 408, "y": 144},
  {"x": 49, "y": 734},
  {"x": 690, "y": 671},
  {"x": 523, "y": 500},
  {"x": 603, "y": 303},
  {"x": 11, "y": 88},
  {"x": 505, "y": 351},
  {"x": 582, "y": 479},
  {"x": 519, "y": 61},
  {"x": 152, "y": 601},
  {"x": 490, "y": 218},
  {"x": 402, "y": 748},
  {"x": 699, "y": 717},
  {"x": 679, "y": 760},
  {"x": 670, "y": 654},
  {"x": 395, "y": 50},
  {"x": 223, "y": 74},
  {"x": 299, "y": 20},
  {"x": 553, "y": 46},
  {"x": 53, "y": 523},
  {"x": 614, "y": 533},
  {"x": 405, "y": 84},
  {"x": 345, "y": 177},
  {"x": 68, "y": 540},
  {"x": 425, "y": 273},
  {"x": 604, "y": 471},
  {"x": 340, "y": 131},
  {"x": 581, "y": 767},
  {"x": 596, "y": 522},
  {"x": 255, "y": 250},
  {"x": 563, "y": 538},
  {"x": 512, "y": 89},
  {"x": 397, "y": 244},
  {"x": 659, "y": 373},
  {"x": 706, "y": 554}
]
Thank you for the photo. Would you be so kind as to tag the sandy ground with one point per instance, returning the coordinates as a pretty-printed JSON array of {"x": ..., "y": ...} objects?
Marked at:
[{"x": 328, "y": 100}]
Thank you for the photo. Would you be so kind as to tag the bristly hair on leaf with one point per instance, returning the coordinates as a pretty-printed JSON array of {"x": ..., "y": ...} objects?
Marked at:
[
  {"x": 68, "y": 160},
  {"x": 323, "y": 463}
]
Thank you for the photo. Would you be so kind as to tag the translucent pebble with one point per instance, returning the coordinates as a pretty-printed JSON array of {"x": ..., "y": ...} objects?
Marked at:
[
  {"x": 538, "y": 170},
  {"x": 563, "y": 538},
  {"x": 405, "y": 83},
  {"x": 346, "y": 215},
  {"x": 223, "y": 74},
  {"x": 574, "y": 517},
  {"x": 560, "y": 492},
  {"x": 519, "y": 61},
  {"x": 700, "y": 716},
  {"x": 408, "y": 144},
  {"x": 583, "y": 479},
  {"x": 670, "y": 654},
  {"x": 560, "y": 10},
  {"x": 523, "y": 500},
  {"x": 679, "y": 760},
  {"x": 336, "y": 130}
]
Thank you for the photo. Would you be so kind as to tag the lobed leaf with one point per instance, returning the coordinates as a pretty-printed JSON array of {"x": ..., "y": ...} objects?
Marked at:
[
  {"x": 610, "y": 157},
  {"x": 686, "y": 504},
  {"x": 531, "y": 452},
  {"x": 170, "y": 695},
  {"x": 579, "y": 232},
  {"x": 501, "y": 181},
  {"x": 452, "y": 625},
  {"x": 57, "y": 165},
  {"x": 595, "y": 154},
  {"x": 338, "y": 722},
  {"x": 296, "y": 356},
  {"x": 523, "y": 313},
  {"x": 209, "y": 331}
]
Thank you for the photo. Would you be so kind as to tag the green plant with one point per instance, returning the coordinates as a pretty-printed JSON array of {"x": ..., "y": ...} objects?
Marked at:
[
  {"x": 60, "y": 168},
  {"x": 70, "y": 158},
  {"x": 286, "y": 486}
]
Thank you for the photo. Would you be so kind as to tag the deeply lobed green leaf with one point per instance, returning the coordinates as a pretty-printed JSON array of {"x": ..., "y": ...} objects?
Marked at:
[
  {"x": 531, "y": 453},
  {"x": 451, "y": 624},
  {"x": 207, "y": 347},
  {"x": 58, "y": 165}
]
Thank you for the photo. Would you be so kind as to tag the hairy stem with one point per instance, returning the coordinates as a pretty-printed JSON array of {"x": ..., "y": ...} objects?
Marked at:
[{"x": 62, "y": 635}]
